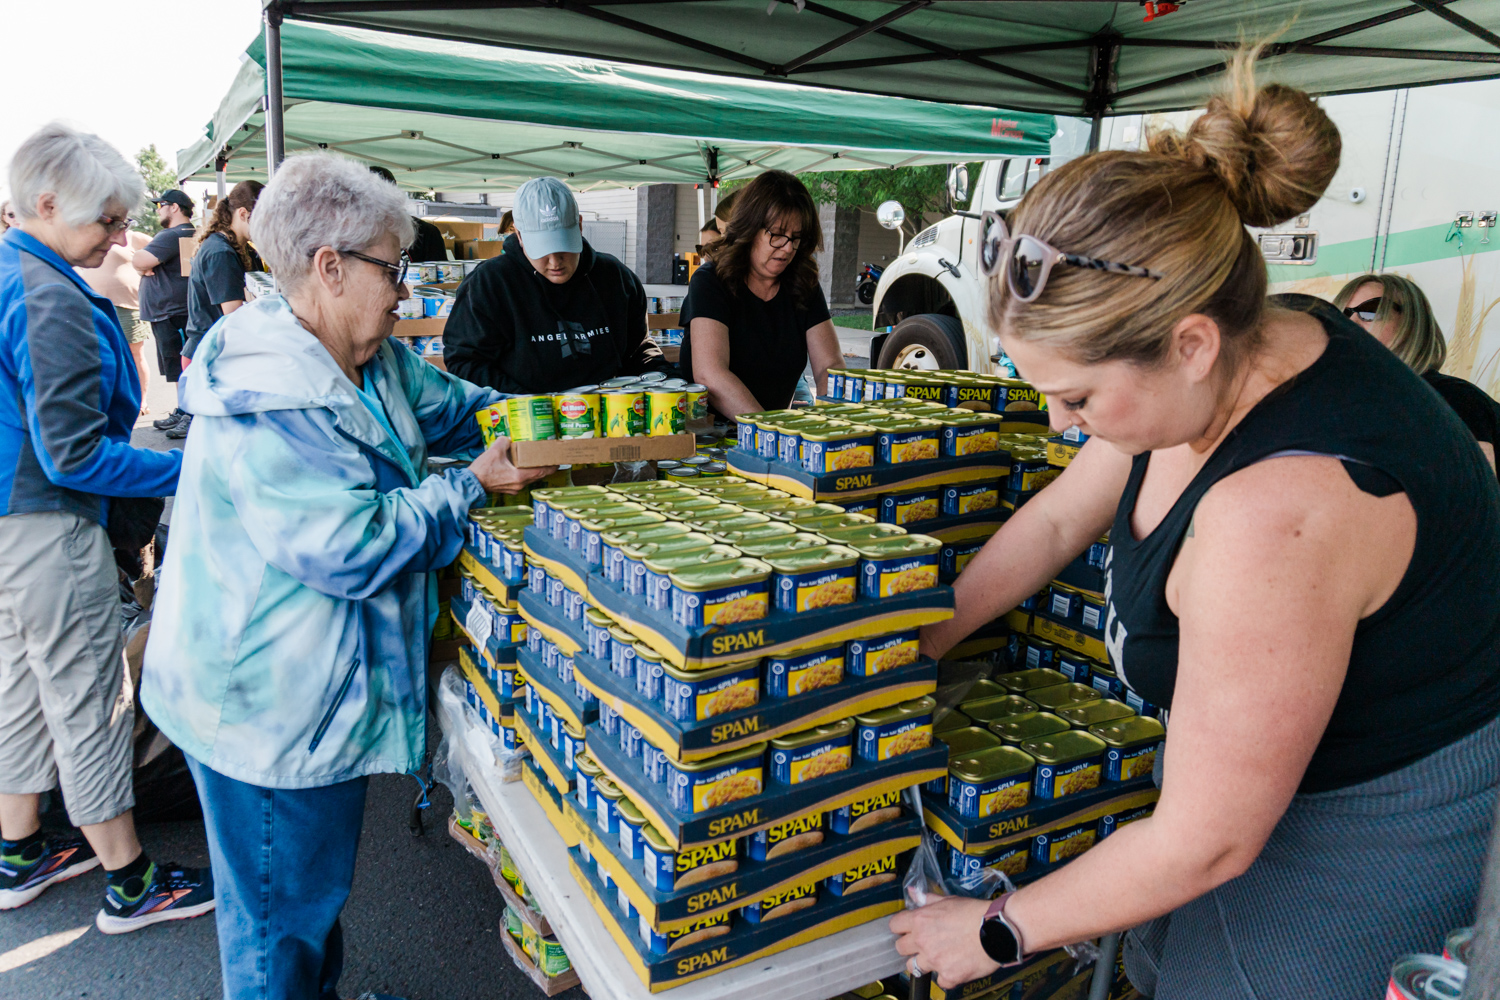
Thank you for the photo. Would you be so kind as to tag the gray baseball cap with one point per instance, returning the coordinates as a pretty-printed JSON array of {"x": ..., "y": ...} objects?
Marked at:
[{"x": 546, "y": 216}]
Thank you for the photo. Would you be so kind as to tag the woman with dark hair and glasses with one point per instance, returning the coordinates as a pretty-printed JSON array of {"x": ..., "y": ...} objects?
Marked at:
[
  {"x": 288, "y": 651},
  {"x": 755, "y": 313},
  {"x": 1303, "y": 549},
  {"x": 1396, "y": 312}
]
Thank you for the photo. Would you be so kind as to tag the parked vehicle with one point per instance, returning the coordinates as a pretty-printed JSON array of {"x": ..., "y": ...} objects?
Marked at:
[{"x": 866, "y": 281}]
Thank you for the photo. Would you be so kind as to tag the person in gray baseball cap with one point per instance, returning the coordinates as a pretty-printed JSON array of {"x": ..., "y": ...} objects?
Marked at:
[{"x": 551, "y": 312}]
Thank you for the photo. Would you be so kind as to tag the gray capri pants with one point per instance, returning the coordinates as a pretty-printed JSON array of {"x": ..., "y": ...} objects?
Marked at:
[{"x": 64, "y": 710}]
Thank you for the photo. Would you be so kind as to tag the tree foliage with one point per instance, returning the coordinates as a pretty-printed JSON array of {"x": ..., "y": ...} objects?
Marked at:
[
  {"x": 920, "y": 190},
  {"x": 152, "y": 167}
]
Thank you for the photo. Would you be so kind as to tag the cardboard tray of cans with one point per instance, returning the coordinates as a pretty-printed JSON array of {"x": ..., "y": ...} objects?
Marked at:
[
  {"x": 1018, "y": 827},
  {"x": 769, "y": 718},
  {"x": 550, "y": 985},
  {"x": 715, "y": 645},
  {"x": 1052, "y": 974},
  {"x": 669, "y": 910},
  {"x": 561, "y": 698},
  {"x": 870, "y": 481},
  {"x": 496, "y": 685},
  {"x": 775, "y": 804},
  {"x": 545, "y": 759},
  {"x": 553, "y": 625},
  {"x": 493, "y": 649},
  {"x": 488, "y": 574},
  {"x": 471, "y": 844},
  {"x": 597, "y": 450},
  {"x": 549, "y": 798},
  {"x": 744, "y": 941}
]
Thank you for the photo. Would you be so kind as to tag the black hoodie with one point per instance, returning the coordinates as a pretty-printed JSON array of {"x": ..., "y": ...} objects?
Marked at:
[{"x": 513, "y": 330}]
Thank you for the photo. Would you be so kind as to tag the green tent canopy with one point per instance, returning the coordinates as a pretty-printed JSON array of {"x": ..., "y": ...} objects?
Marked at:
[
  {"x": 1069, "y": 57},
  {"x": 447, "y": 115}
]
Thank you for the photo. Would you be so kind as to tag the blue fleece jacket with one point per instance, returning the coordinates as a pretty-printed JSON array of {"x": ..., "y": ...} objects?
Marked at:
[{"x": 69, "y": 394}]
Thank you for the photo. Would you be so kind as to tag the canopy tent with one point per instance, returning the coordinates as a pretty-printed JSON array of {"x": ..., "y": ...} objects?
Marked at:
[
  {"x": 1070, "y": 57},
  {"x": 447, "y": 115}
]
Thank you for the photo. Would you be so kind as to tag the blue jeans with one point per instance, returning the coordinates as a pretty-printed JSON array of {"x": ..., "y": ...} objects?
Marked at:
[{"x": 283, "y": 861}]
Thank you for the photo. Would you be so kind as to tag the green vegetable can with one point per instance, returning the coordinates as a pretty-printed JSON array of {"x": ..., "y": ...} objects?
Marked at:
[{"x": 531, "y": 418}]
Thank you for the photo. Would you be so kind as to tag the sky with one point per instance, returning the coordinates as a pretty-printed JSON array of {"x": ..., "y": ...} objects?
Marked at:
[{"x": 134, "y": 71}]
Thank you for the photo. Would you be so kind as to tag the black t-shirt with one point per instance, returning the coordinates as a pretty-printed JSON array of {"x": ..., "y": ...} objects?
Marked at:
[
  {"x": 1474, "y": 407},
  {"x": 164, "y": 294},
  {"x": 1424, "y": 669},
  {"x": 429, "y": 245},
  {"x": 218, "y": 276},
  {"x": 767, "y": 340}
]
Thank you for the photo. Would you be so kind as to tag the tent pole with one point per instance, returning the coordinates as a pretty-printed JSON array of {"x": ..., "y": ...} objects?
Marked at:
[
  {"x": 1096, "y": 129},
  {"x": 702, "y": 219},
  {"x": 275, "y": 126},
  {"x": 221, "y": 165}
]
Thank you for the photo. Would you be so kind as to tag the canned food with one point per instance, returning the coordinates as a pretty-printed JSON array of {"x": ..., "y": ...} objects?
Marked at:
[
  {"x": 849, "y": 534},
  {"x": 789, "y": 676},
  {"x": 697, "y": 404},
  {"x": 1105, "y": 680},
  {"x": 633, "y": 556},
  {"x": 1030, "y": 471},
  {"x": 596, "y": 626},
  {"x": 654, "y": 764},
  {"x": 712, "y": 469},
  {"x": 793, "y": 509},
  {"x": 814, "y": 753},
  {"x": 1064, "y": 602},
  {"x": 972, "y": 394},
  {"x": 492, "y": 423},
  {"x": 632, "y": 822},
  {"x": 721, "y": 593},
  {"x": 623, "y": 412},
  {"x": 1112, "y": 823},
  {"x": 622, "y": 652},
  {"x": 630, "y": 740},
  {"x": 667, "y": 870},
  {"x": 910, "y": 506},
  {"x": 1023, "y": 727},
  {"x": 1092, "y": 713},
  {"x": 698, "y": 786},
  {"x": 787, "y": 837},
  {"x": 658, "y": 570},
  {"x": 838, "y": 449},
  {"x": 868, "y": 657},
  {"x": 783, "y": 903},
  {"x": 585, "y": 773},
  {"x": 866, "y": 813},
  {"x": 854, "y": 385},
  {"x": 990, "y": 781},
  {"x": 648, "y": 673},
  {"x": 969, "y": 498},
  {"x": 952, "y": 719},
  {"x": 572, "y": 607},
  {"x": 975, "y": 434},
  {"x": 897, "y": 730},
  {"x": 809, "y": 579},
  {"x": 1050, "y": 699},
  {"x": 684, "y": 474},
  {"x": 578, "y": 412},
  {"x": 1426, "y": 977},
  {"x": 954, "y": 557},
  {"x": 607, "y": 797},
  {"x": 735, "y": 535},
  {"x": 686, "y": 936},
  {"x": 544, "y": 951},
  {"x": 572, "y": 744},
  {"x": 892, "y": 566},
  {"x": 1040, "y": 653},
  {"x": 1457, "y": 945},
  {"x": 1010, "y": 860},
  {"x": 609, "y": 720},
  {"x": 861, "y": 878},
  {"x": 963, "y": 740},
  {"x": 1064, "y": 842},
  {"x": 769, "y": 545},
  {"x": 666, "y": 410},
  {"x": 1074, "y": 666},
  {"x": 1022, "y": 681},
  {"x": 911, "y": 441},
  {"x": 652, "y": 377},
  {"x": 1130, "y": 746},
  {"x": 530, "y": 418},
  {"x": 789, "y": 438},
  {"x": 691, "y": 696},
  {"x": 1066, "y": 762}
]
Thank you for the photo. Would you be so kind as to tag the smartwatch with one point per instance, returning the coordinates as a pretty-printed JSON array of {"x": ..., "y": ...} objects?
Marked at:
[{"x": 998, "y": 936}]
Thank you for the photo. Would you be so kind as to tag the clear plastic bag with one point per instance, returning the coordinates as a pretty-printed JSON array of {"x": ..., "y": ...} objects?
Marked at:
[{"x": 475, "y": 744}]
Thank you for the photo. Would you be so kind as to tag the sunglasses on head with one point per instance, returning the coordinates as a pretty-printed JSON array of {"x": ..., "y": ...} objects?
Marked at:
[
  {"x": 1367, "y": 309},
  {"x": 1027, "y": 261}
]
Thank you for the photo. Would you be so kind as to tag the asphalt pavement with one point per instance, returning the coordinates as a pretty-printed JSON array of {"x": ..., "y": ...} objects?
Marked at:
[{"x": 422, "y": 922}]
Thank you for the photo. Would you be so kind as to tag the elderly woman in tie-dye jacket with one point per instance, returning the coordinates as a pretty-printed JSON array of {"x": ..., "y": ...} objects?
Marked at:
[{"x": 288, "y": 651}]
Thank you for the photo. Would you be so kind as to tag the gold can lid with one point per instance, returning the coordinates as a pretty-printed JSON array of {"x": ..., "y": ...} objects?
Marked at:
[
  {"x": 805, "y": 560},
  {"x": 970, "y": 739},
  {"x": 1129, "y": 732},
  {"x": 906, "y": 710},
  {"x": 1022, "y": 681},
  {"x": 991, "y": 764},
  {"x": 1019, "y": 729},
  {"x": 1090, "y": 714},
  {"x": 818, "y": 734},
  {"x": 1063, "y": 695},
  {"x": 896, "y": 546},
  {"x": 720, "y": 574},
  {"x": 1061, "y": 748}
]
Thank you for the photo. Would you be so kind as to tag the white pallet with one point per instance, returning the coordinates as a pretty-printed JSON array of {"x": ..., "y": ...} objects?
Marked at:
[{"x": 815, "y": 971}]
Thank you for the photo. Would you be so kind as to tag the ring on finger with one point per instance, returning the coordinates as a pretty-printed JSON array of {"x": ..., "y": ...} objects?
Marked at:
[{"x": 914, "y": 968}]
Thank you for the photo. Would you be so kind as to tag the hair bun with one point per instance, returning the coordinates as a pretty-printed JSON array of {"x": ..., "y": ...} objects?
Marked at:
[{"x": 1273, "y": 148}]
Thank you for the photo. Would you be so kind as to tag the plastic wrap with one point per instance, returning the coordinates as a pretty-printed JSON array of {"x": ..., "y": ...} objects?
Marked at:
[{"x": 467, "y": 738}]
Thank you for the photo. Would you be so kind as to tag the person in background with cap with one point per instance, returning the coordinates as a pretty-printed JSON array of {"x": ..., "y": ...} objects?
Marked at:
[
  {"x": 429, "y": 244},
  {"x": 164, "y": 289},
  {"x": 550, "y": 313}
]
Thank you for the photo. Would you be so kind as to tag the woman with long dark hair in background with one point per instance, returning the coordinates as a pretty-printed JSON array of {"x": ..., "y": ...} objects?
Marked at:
[{"x": 755, "y": 313}]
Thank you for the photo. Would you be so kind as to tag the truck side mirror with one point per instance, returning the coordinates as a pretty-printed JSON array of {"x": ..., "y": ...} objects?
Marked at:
[{"x": 958, "y": 184}]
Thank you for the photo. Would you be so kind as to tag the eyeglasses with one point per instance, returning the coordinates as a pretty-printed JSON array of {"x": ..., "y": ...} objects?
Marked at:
[
  {"x": 397, "y": 270},
  {"x": 1027, "y": 261},
  {"x": 1367, "y": 309},
  {"x": 115, "y": 223},
  {"x": 779, "y": 240}
]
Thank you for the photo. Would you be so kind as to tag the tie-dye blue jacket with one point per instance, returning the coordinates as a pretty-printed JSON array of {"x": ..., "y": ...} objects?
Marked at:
[{"x": 289, "y": 638}]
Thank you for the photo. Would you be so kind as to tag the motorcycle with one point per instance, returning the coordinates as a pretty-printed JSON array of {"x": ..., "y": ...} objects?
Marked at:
[{"x": 865, "y": 282}]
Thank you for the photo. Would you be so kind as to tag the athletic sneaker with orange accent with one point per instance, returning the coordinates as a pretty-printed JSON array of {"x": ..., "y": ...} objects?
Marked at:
[
  {"x": 27, "y": 872},
  {"x": 165, "y": 892}
]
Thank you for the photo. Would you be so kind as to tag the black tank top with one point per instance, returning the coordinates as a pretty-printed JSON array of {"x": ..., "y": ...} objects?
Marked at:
[{"x": 1425, "y": 668}]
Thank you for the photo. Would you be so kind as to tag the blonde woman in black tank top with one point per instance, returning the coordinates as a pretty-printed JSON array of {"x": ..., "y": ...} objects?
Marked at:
[{"x": 1301, "y": 569}]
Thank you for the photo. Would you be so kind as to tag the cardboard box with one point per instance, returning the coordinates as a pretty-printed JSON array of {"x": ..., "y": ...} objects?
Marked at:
[
  {"x": 588, "y": 451},
  {"x": 453, "y": 229},
  {"x": 427, "y": 326},
  {"x": 663, "y": 321},
  {"x": 187, "y": 247}
]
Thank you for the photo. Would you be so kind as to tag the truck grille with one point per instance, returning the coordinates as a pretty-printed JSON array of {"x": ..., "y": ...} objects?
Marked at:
[{"x": 925, "y": 238}]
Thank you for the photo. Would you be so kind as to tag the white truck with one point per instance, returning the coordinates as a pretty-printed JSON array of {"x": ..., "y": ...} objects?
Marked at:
[{"x": 1416, "y": 194}]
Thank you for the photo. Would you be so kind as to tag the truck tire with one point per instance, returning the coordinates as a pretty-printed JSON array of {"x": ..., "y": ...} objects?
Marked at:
[{"x": 928, "y": 341}]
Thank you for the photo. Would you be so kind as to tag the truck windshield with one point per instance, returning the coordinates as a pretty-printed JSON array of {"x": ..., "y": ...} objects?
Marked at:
[{"x": 1017, "y": 176}]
